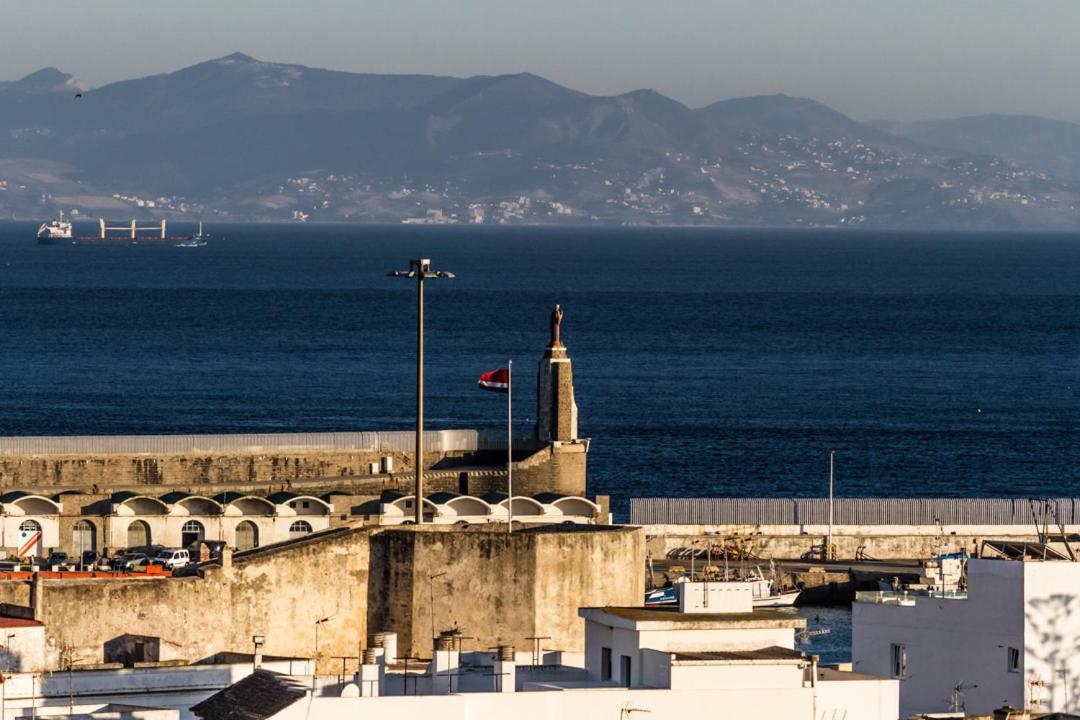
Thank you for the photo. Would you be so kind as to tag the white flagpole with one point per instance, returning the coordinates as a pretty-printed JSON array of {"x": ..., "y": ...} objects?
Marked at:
[{"x": 510, "y": 443}]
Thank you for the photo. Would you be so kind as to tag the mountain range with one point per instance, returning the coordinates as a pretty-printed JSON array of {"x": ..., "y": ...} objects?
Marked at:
[{"x": 241, "y": 139}]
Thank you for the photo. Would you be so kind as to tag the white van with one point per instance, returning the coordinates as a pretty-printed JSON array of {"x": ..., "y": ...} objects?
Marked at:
[{"x": 172, "y": 558}]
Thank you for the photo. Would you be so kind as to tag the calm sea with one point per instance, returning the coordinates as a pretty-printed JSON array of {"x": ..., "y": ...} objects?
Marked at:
[{"x": 707, "y": 362}]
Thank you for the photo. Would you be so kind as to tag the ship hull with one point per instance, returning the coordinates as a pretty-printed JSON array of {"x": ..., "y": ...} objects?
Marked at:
[{"x": 94, "y": 240}]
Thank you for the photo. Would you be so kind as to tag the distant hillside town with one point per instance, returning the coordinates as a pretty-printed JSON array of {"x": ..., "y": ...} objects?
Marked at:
[{"x": 292, "y": 143}]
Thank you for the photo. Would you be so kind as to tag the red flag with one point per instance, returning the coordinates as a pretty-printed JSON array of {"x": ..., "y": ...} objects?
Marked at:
[{"x": 496, "y": 380}]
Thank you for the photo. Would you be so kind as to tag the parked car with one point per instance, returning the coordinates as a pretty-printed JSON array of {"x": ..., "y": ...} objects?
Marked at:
[
  {"x": 57, "y": 559},
  {"x": 131, "y": 561},
  {"x": 172, "y": 558},
  {"x": 89, "y": 559}
]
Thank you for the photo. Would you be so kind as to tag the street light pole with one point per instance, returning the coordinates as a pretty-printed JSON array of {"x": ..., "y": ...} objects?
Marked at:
[
  {"x": 421, "y": 270},
  {"x": 828, "y": 542}
]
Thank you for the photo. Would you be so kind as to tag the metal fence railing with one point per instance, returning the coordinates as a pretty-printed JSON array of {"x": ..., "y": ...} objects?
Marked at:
[{"x": 855, "y": 511}]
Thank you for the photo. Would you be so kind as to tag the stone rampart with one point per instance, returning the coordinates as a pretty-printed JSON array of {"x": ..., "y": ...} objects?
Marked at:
[
  {"x": 500, "y": 587},
  {"x": 495, "y": 586},
  {"x": 558, "y": 469},
  {"x": 278, "y": 591}
]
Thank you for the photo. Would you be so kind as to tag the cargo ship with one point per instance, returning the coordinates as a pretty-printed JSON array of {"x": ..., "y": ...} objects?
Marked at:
[{"x": 58, "y": 232}]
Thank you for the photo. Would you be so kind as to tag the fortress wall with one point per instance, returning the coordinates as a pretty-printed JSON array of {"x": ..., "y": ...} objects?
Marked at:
[
  {"x": 495, "y": 586},
  {"x": 226, "y": 469},
  {"x": 278, "y": 593},
  {"x": 498, "y": 586},
  {"x": 559, "y": 467}
]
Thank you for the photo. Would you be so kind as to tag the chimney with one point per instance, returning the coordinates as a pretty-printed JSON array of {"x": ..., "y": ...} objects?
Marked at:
[
  {"x": 385, "y": 645},
  {"x": 505, "y": 670},
  {"x": 370, "y": 675},
  {"x": 389, "y": 640},
  {"x": 444, "y": 662}
]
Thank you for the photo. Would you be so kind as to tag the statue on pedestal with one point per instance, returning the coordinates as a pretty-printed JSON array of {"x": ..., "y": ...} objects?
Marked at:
[{"x": 556, "y": 322}]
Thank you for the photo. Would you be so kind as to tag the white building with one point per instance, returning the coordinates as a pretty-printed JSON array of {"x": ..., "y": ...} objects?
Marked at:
[
  {"x": 153, "y": 691},
  {"x": 446, "y": 508},
  {"x": 241, "y": 521},
  {"x": 1012, "y": 638},
  {"x": 30, "y": 523},
  {"x": 714, "y": 655}
]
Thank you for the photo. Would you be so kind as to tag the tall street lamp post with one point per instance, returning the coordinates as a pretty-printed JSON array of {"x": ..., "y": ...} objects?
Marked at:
[{"x": 421, "y": 270}]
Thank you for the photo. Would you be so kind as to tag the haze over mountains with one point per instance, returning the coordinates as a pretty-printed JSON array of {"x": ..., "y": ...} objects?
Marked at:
[{"x": 237, "y": 138}]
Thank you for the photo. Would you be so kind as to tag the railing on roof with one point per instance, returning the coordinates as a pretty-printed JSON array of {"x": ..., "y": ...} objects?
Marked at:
[
  {"x": 383, "y": 441},
  {"x": 854, "y": 511},
  {"x": 906, "y": 597}
]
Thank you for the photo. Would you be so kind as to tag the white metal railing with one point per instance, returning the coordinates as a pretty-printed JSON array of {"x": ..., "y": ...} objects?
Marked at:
[
  {"x": 905, "y": 597},
  {"x": 854, "y": 511}
]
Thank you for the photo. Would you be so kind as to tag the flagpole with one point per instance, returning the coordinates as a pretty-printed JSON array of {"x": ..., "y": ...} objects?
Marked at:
[{"x": 510, "y": 442}]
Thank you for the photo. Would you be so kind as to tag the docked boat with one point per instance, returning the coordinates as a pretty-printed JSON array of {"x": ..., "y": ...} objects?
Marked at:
[
  {"x": 765, "y": 595},
  {"x": 55, "y": 232}
]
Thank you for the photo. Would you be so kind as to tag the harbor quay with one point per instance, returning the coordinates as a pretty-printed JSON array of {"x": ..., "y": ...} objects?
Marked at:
[{"x": 861, "y": 528}]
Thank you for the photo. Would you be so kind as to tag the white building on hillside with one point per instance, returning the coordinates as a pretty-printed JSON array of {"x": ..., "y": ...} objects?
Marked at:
[
  {"x": 714, "y": 655},
  {"x": 1012, "y": 638}
]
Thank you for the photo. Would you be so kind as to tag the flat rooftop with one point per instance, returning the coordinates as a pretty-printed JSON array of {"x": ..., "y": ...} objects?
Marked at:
[
  {"x": 770, "y": 654},
  {"x": 670, "y": 617}
]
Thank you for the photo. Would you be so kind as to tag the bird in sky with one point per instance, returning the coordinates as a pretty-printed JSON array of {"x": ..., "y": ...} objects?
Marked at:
[{"x": 78, "y": 95}]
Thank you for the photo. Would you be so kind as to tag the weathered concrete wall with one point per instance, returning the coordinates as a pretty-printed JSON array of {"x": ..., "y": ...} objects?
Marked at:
[
  {"x": 278, "y": 592},
  {"x": 883, "y": 542},
  {"x": 112, "y": 470},
  {"x": 559, "y": 467},
  {"x": 592, "y": 569},
  {"x": 15, "y": 592},
  {"x": 494, "y": 586},
  {"x": 499, "y": 587}
]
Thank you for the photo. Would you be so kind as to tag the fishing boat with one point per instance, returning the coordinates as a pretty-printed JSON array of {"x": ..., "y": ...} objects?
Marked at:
[{"x": 765, "y": 595}]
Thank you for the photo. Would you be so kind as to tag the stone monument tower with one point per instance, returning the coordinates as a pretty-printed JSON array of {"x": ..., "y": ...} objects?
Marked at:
[{"x": 556, "y": 410}]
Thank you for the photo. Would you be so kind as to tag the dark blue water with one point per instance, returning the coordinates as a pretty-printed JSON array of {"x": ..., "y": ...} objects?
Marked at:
[{"x": 706, "y": 362}]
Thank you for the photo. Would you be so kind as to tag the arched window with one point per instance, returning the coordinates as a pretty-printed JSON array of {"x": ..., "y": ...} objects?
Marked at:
[
  {"x": 30, "y": 526},
  {"x": 138, "y": 534},
  {"x": 83, "y": 538},
  {"x": 247, "y": 535},
  {"x": 299, "y": 529},
  {"x": 191, "y": 533}
]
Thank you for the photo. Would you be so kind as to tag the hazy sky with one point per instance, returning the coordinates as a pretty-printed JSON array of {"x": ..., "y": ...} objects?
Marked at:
[{"x": 899, "y": 59}]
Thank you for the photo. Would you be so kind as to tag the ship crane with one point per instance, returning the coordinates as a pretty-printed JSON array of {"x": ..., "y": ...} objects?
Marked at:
[{"x": 133, "y": 228}]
